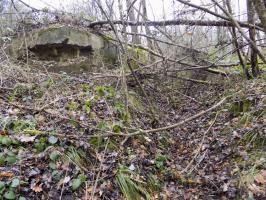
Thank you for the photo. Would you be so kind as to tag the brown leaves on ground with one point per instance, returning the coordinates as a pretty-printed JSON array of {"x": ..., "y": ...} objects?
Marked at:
[
  {"x": 258, "y": 188},
  {"x": 261, "y": 177},
  {"x": 25, "y": 138},
  {"x": 37, "y": 188},
  {"x": 6, "y": 175}
]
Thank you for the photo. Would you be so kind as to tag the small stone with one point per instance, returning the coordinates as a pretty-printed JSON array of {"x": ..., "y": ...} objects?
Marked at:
[{"x": 131, "y": 167}]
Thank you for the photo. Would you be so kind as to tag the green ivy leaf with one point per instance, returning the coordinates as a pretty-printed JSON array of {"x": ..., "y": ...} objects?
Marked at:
[
  {"x": 76, "y": 183},
  {"x": 11, "y": 160},
  {"x": 10, "y": 195},
  {"x": 2, "y": 159},
  {"x": 6, "y": 141},
  {"x": 15, "y": 183},
  {"x": 54, "y": 156},
  {"x": 15, "y": 142},
  {"x": 57, "y": 175},
  {"x": 52, "y": 165},
  {"x": 2, "y": 185}
]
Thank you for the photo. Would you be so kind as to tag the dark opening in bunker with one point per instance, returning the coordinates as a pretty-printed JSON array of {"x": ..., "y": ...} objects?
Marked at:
[{"x": 61, "y": 52}]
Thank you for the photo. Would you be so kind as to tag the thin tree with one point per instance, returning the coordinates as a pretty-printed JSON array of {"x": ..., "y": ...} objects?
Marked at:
[
  {"x": 236, "y": 44},
  {"x": 132, "y": 17},
  {"x": 260, "y": 6},
  {"x": 252, "y": 36}
]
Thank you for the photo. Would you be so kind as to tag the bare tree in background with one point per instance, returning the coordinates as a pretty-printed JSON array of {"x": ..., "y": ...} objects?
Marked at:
[
  {"x": 131, "y": 11},
  {"x": 260, "y": 6},
  {"x": 3, "y": 4},
  {"x": 147, "y": 29},
  {"x": 252, "y": 36},
  {"x": 132, "y": 17},
  {"x": 236, "y": 44}
]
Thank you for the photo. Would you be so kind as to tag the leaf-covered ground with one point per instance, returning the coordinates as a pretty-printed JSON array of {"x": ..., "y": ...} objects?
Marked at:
[{"x": 61, "y": 137}]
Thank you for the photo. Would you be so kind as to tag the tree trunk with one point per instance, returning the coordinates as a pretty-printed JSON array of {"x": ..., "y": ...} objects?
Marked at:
[
  {"x": 260, "y": 6},
  {"x": 131, "y": 15},
  {"x": 237, "y": 46},
  {"x": 147, "y": 29},
  {"x": 252, "y": 36}
]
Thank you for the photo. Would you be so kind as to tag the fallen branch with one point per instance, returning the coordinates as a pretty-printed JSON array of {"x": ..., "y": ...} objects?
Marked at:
[
  {"x": 153, "y": 131},
  {"x": 242, "y": 24},
  {"x": 223, "y": 23},
  {"x": 238, "y": 26},
  {"x": 137, "y": 132},
  {"x": 140, "y": 131},
  {"x": 184, "y": 121}
]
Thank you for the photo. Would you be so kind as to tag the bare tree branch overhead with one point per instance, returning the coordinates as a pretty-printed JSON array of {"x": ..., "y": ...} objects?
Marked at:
[{"x": 176, "y": 22}]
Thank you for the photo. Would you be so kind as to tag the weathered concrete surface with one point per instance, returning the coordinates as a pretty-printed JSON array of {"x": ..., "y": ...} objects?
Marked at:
[
  {"x": 65, "y": 35},
  {"x": 61, "y": 43}
]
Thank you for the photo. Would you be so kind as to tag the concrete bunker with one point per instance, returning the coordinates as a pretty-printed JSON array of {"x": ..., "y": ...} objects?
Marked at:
[{"x": 60, "y": 43}]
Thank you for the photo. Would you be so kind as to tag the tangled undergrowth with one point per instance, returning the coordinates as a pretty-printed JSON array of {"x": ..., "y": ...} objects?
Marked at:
[{"x": 62, "y": 138}]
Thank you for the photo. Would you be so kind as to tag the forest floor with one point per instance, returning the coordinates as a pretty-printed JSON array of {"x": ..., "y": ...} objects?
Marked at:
[{"x": 66, "y": 137}]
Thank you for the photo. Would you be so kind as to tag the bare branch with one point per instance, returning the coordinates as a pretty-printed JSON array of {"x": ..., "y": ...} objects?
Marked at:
[
  {"x": 223, "y": 23},
  {"x": 254, "y": 46},
  {"x": 242, "y": 24}
]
